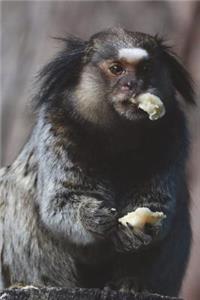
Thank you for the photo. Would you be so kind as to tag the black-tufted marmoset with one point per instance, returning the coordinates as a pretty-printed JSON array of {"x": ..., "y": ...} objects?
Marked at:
[{"x": 94, "y": 156}]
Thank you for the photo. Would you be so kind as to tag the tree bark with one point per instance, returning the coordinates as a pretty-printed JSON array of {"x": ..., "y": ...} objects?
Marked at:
[{"x": 74, "y": 294}]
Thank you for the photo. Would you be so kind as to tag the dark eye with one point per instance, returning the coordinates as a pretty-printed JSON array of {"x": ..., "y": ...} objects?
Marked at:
[{"x": 116, "y": 69}]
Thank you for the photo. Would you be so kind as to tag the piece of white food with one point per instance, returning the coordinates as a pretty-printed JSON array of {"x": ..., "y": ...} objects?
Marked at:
[
  {"x": 142, "y": 216},
  {"x": 152, "y": 105}
]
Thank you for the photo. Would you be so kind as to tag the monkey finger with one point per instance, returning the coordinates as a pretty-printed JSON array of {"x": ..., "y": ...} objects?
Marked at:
[
  {"x": 143, "y": 237},
  {"x": 129, "y": 239}
]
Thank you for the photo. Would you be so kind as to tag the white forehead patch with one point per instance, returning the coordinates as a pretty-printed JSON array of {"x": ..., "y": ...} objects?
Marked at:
[{"x": 133, "y": 54}]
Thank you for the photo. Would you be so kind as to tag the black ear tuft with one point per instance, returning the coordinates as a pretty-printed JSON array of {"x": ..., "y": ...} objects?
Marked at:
[
  {"x": 71, "y": 42},
  {"x": 181, "y": 79},
  {"x": 59, "y": 75}
]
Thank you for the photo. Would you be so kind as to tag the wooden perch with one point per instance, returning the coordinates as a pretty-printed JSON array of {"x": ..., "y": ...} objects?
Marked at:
[{"x": 29, "y": 293}]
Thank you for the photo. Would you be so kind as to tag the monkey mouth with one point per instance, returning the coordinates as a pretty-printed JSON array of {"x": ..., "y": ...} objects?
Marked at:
[
  {"x": 129, "y": 109},
  {"x": 127, "y": 106},
  {"x": 131, "y": 103}
]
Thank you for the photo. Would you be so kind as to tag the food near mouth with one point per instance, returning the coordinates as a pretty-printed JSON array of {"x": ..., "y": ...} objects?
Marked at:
[
  {"x": 150, "y": 104},
  {"x": 142, "y": 216}
]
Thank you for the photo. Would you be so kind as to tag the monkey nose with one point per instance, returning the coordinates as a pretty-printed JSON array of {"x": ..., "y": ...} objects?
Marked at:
[{"x": 129, "y": 85}]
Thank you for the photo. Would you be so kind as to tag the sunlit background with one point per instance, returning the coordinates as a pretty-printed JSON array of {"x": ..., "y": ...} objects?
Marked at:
[{"x": 27, "y": 30}]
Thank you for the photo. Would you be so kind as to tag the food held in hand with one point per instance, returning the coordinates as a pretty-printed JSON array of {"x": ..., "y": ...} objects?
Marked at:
[{"x": 142, "y": 216}]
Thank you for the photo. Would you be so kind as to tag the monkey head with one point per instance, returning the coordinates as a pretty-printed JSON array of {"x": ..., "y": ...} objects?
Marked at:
[{"x": 98, "y": 78}]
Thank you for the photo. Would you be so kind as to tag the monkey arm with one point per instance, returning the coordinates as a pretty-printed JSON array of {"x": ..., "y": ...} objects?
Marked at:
[
  {"x": 73, "y": 211},
  {"x": 75, "y": 215},
  {"x": 71, "y": 203},
  {"x": 159, "y": 195}
]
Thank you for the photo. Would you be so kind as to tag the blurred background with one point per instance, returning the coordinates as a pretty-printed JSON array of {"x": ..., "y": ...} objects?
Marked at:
[{"x": 26, "y": 45}]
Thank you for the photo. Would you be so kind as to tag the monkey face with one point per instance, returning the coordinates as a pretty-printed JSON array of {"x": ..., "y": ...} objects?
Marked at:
[
  {"x": 96, "y": 80},
  {"x": 119, "y": 67},
  {"x": 128, "y": 76}
]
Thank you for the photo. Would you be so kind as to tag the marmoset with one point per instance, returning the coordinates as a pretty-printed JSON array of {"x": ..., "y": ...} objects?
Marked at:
[{"x": 94, "y": 156}]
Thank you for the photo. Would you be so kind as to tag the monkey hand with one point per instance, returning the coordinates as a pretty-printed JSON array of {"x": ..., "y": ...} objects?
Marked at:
[
  {"x": 98, "y": 219},
  {"x": 130, "y": 239}
]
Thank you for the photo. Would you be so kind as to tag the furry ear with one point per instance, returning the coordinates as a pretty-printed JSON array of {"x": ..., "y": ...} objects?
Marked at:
[
  {"x": 181, "y": 79},
  {"x": 61, "y": 73}
]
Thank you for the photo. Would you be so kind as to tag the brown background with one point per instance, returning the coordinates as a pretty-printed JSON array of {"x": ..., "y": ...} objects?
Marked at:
[{"x": 27, "y": 28}]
